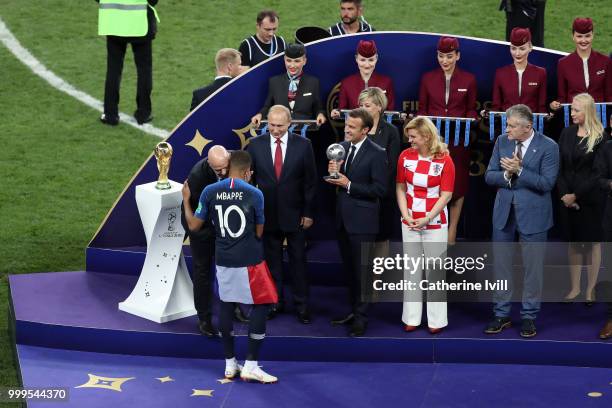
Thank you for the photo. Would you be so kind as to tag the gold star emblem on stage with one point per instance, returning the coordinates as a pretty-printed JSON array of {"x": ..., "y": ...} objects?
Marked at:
[
  {"x": 245, "y": 134},
  {"x": 165, "y": 379},
  {"x": 108, "y": 383},
  {"x": 201, "y": 393},
  {"x": 224, "y": 380},
  {"x": 198, "y": 142}
]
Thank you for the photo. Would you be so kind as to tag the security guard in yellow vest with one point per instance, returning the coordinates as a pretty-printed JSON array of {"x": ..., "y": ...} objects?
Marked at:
[{"x": 128, "y": 22}]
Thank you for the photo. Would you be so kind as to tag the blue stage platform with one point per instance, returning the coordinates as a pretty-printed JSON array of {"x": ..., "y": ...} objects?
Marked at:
[{"x": 78, "y": 311}]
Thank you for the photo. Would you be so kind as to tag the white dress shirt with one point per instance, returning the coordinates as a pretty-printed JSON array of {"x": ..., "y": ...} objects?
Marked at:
[{"x": 284, "y": 139}]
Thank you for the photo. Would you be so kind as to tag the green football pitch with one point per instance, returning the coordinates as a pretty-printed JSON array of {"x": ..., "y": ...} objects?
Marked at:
[{"x": 63, "y": 169}]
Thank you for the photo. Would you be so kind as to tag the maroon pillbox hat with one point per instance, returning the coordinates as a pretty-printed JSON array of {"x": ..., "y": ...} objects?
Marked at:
[
  {"x": 520, "y": 36},
  {"x": 582, "y": 25},
  {"x": 448, "y": 44},
  {"x": 366, "y": 48}
]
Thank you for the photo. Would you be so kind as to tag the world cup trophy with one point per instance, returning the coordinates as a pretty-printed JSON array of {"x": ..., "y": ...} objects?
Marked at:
[
  {"x": 163, "y": 154},
  {"x": 335, "y": 152}
]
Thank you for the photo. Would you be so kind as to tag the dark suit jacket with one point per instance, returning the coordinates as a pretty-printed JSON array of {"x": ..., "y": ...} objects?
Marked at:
[
  {"x": 603, "y": 165},
  {"x": 577, "y": 172},
  {"x": 199, "y": 95},
  {"x": 292, "y": 197},
  {"x": 387, "y": 137},
  {"x": 359, "y": 209},
  {"x": 200, "y": 176},
  {"x": 307, "y": 101}
]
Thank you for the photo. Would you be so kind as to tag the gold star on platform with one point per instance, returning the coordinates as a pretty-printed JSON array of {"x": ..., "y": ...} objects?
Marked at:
[
  {"x": 198, "y": 142},
  {"x": 224, "y": 380},
  {"x": 165, "y": 379},
  {"x": 245, "y": 134},
  {"x": 201, "y": 393},
  {"x": 108, "y": 383},
  {"x": 594, "y": 394}
]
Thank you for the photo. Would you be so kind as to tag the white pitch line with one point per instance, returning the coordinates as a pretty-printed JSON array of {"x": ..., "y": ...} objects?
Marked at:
[{"x": 14, "y": 46}]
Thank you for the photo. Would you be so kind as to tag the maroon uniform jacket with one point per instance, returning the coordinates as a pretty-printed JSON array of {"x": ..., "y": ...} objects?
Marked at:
[
  {"x": 533, "y": 88},
  {"x": 351, "y": 87},
  {"x": 570, "y": 76},
  {"x": 461, "y": 103},
  {"x": 461, "y": 100}
]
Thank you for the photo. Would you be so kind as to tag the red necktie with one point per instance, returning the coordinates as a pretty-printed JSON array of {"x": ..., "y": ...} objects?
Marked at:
[{"x": 278, "y": 159}]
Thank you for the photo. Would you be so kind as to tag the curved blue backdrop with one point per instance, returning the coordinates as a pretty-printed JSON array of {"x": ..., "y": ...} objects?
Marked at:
[{"x": 224, "y": 119}]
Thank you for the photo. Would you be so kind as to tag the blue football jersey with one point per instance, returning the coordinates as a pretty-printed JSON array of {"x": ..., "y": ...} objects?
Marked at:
[{"x": 234, "y": 207}]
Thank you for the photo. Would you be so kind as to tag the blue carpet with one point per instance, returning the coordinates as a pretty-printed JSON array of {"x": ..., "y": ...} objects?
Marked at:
[{"x": 312, "y": 384}]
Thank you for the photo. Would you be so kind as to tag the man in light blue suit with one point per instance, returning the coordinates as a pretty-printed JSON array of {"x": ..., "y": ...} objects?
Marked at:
[{"x": 523, "y": 167}]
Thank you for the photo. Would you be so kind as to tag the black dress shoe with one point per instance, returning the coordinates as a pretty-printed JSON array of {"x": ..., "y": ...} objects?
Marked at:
[
  {"x": 497, "y": 325},
  {"x": 142, "y": 121},
  {"x": 348, "y": 319},
  {"x": 207, "y": 329},
  {"x": 275, "y": 309},
  {"x": 108, "y": 120},
  {"x": 357, "y": 329},
  {"x": 304, "y": 316},
  {"x": 239, "y": 315},
  {"x": 528, "y": 328}
]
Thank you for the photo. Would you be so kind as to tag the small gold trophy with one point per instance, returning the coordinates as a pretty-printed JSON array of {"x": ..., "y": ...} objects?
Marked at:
[{"x": 163, "y": 154}]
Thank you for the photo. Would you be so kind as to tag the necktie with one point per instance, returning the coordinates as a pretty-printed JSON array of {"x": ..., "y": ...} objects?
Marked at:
[
  {"x": 278, "y": 159},
  {"x": 349, "y": 160},
  {"x": 519, "y": 150},
  {"x": 519, "y": 155}
]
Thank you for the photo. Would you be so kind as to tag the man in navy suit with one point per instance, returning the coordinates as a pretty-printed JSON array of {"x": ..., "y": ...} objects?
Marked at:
[
  {"x": 228, "y": 63},
  {"x": 362, "y": 184},
  {"x": 285, "y": 171},
  {"x": 524, "y": 167}
]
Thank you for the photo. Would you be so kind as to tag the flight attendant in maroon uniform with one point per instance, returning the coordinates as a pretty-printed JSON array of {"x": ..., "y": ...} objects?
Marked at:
[
  {"x": 450, "y": 91},
  {"x": 584, "y": 70},
  {"x": 351, "y": 86},
  {"x": 520, "y": 82}
]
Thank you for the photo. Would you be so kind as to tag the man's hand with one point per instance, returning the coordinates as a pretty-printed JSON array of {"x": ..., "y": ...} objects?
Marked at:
[
  {"x": 335, "y": 114},
  {"x": 306, "y": 222},
  {"x": 256, "y": 120},
  {"x": 321, "y": 119},
  {"x": 341, "y": 181},
  {"x": 555, "y": 105},
  {"x": 186, "y": 191},
  {"x": 511, "y": 165},
  {"x": 334, "y": 166},
  {"x": 569, "y": 200}
]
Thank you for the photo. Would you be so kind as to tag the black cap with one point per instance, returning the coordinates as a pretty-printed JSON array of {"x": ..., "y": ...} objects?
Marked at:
[{"x": 295, "y": 51}]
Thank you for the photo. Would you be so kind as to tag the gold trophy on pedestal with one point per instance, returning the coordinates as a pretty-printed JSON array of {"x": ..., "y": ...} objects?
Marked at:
[{"x": 163, "y": 154}]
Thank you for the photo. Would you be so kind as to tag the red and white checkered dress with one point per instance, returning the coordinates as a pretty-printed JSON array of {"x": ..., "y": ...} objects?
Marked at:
[{"x": 425, "y": 178}]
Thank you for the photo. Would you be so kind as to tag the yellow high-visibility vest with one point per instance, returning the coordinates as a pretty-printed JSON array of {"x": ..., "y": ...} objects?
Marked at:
[{"x": 123, "y": 18}]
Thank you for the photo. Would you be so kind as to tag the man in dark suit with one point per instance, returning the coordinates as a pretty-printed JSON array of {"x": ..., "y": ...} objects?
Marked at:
[
  {"x": 202, "y": 243},
  {"x": 228, "y": 64},
  {"x": 525, "y": 13},
  {"x": 284, "y": 170},
  {"x": 294, "y": 89},
  {"x": 362, "y": 184},
  {"x": 524, "y": 167}
]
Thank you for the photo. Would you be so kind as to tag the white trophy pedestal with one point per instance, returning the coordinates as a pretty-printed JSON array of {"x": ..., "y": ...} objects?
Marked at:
[{"x": 164, "y": 291}]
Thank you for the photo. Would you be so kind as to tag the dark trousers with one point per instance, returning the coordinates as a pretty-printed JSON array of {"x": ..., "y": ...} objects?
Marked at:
[
  {"x": 142, "y": 49},
  {"x": 356, "y": 251},
  {"x": 202, "y": 250},
  {"x": 604, "y": 289},
  {"x": 517, "y": 18},
  {"x": 273, "y": 250}
]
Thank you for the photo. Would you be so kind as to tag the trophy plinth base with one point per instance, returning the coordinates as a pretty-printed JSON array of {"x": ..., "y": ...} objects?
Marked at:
[
  {"x": 331, "y": 177},
  {"x": 163, "y": 185}
]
